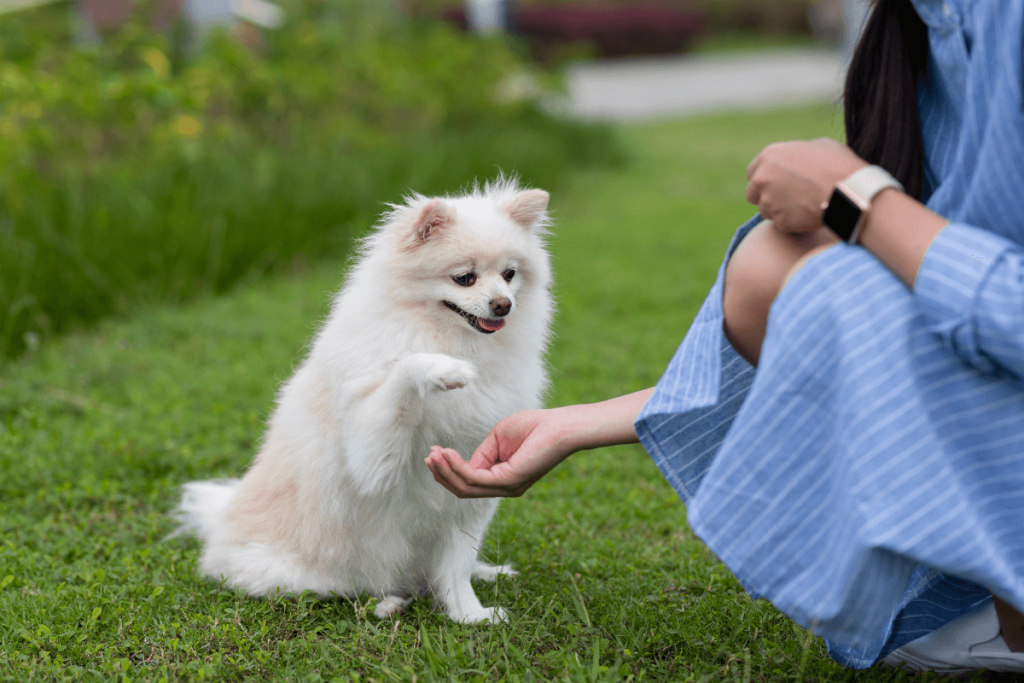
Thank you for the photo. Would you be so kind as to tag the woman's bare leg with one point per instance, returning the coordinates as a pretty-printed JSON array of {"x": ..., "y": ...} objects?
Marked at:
[
  {"x": 1011, "y": 625},
  {"x": 755, "y": 274}
]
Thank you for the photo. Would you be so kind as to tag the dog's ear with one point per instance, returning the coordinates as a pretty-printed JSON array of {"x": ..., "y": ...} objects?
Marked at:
[
  {"x": 527, "y": 208},
  {"x": 434, "y": 217}
]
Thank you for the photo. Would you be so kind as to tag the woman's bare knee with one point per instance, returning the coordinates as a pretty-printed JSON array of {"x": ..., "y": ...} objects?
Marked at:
[
  {"x": 802, "y": 261},
  {"x": 755, "y": 274}
]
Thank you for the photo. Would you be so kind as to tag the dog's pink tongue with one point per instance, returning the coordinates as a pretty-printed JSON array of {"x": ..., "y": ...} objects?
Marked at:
[{"x": 491, "y": 325}]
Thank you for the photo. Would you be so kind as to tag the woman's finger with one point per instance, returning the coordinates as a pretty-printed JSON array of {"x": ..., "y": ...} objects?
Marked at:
[
  {"x": 443, "y": 476},
  {"x": 480, "y": 480},
  {"x": 752, "y": 166},
  {"x": 753, "y": 193},
  {"x": 438, "y": 476},
  {"x": 764, "y": 205},
  {"x": 455, "y": 478}
]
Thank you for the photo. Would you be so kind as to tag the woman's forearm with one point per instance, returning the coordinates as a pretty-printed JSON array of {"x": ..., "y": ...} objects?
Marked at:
[
  {"x": 525, "y": 446},
  {"x": 608, "y": 423},
  {"x": 899, "y": 231},
  {"x": 788, "y": 177}
]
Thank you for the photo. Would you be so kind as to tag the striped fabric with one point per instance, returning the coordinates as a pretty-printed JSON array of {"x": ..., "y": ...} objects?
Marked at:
[{"x": 868, "y": 478}]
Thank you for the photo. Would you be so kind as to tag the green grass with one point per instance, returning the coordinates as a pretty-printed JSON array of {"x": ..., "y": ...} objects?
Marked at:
[{"x": 98, "y": 430}]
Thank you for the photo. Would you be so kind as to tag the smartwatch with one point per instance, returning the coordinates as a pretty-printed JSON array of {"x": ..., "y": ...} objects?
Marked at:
[{"x": 846, "y": 211}]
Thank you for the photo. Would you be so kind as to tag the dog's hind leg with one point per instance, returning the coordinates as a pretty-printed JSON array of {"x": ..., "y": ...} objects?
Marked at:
[
  {"x": 490, "y": 572},
  {"x": 381, "y": 438},
  {"x": 390, "y": 605},
  {"x": 450, "y": 582}
]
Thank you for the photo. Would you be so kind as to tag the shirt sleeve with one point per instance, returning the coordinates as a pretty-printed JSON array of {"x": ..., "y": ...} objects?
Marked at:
[{"x": 971, "y": 290}]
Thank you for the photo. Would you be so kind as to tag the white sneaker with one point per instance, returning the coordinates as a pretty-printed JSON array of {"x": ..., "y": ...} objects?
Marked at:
[{"x": 968, "y": 643}]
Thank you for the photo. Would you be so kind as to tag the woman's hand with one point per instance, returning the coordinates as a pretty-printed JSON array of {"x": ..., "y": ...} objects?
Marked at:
[
  {"x": 520, "y": 449},
  {"x": 789, "y": 181},
  {"x": 525, "y": 446}
]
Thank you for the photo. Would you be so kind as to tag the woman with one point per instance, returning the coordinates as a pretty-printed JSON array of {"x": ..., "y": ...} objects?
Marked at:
[{"x": 867, "y": 477}]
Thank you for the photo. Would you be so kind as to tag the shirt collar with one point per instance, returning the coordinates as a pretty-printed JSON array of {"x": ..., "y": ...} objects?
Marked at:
[{"x": 940, "y": 13}]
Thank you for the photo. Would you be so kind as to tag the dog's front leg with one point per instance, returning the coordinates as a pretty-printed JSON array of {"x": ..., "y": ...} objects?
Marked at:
[{"x": 380, "y": 426}]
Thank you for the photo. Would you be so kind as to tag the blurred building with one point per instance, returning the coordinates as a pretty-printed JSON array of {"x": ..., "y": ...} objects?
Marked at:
[
  {"x": 94, "y": 17},
  {"x": 99, "y": 15}
]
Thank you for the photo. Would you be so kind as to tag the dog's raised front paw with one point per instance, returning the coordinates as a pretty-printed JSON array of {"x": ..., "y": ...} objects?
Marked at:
[
  {"x": 484, "y": 614},
  {"x": 444, "y": 373}
]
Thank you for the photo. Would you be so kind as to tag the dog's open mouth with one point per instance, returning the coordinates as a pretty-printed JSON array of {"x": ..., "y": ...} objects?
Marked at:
[{"x": 485, "y": 325}]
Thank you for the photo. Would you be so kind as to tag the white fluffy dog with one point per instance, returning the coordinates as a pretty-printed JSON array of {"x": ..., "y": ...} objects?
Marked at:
[{"x": 438, "y": 333}]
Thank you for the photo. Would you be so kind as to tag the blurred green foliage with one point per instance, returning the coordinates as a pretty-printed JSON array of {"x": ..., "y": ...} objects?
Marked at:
[{"x": 154, "y": 167}]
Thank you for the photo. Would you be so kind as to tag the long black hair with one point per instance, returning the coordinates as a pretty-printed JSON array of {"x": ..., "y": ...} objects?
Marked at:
[{"x": 880, "y": 102}]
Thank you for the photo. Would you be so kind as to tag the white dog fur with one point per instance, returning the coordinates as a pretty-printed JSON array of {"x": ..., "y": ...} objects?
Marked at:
[{"x": 339, "y": 500}]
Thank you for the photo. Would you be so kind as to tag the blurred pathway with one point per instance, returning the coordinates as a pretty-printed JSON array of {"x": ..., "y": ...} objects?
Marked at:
[{"x": 665, "y": 87}]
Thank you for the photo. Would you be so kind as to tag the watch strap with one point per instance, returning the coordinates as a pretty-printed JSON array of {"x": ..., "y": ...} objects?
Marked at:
[
  {"x": 846, "y": 210},
  {"x": 865, "y": 183}
]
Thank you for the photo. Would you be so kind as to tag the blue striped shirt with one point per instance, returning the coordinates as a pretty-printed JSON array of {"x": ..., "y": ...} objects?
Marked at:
[{"x": 868, "y": 478}]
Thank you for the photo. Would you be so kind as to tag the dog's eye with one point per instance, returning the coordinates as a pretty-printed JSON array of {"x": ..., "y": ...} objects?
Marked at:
[
  {"x": 508, "y": 275},
  {"x": 466, "y": 280}
]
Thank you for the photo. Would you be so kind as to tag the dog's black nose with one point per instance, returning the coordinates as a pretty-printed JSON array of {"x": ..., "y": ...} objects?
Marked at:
[{"x": 500, "y": 306}]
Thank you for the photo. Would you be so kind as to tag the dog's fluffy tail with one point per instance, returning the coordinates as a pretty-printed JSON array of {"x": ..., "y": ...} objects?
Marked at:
[{"x": 202, "y": 506}]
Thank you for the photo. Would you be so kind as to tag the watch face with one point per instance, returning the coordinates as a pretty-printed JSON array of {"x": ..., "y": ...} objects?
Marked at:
[{"x": 841, "y": 215}]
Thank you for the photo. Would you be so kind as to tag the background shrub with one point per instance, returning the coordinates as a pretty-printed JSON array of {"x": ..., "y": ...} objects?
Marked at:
[
  {"x": 757, "y": 20},
  {"x": 607, "y": 29},
  {"x": 773, "y": 17},
  {"x": 136, "y": 171}
]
